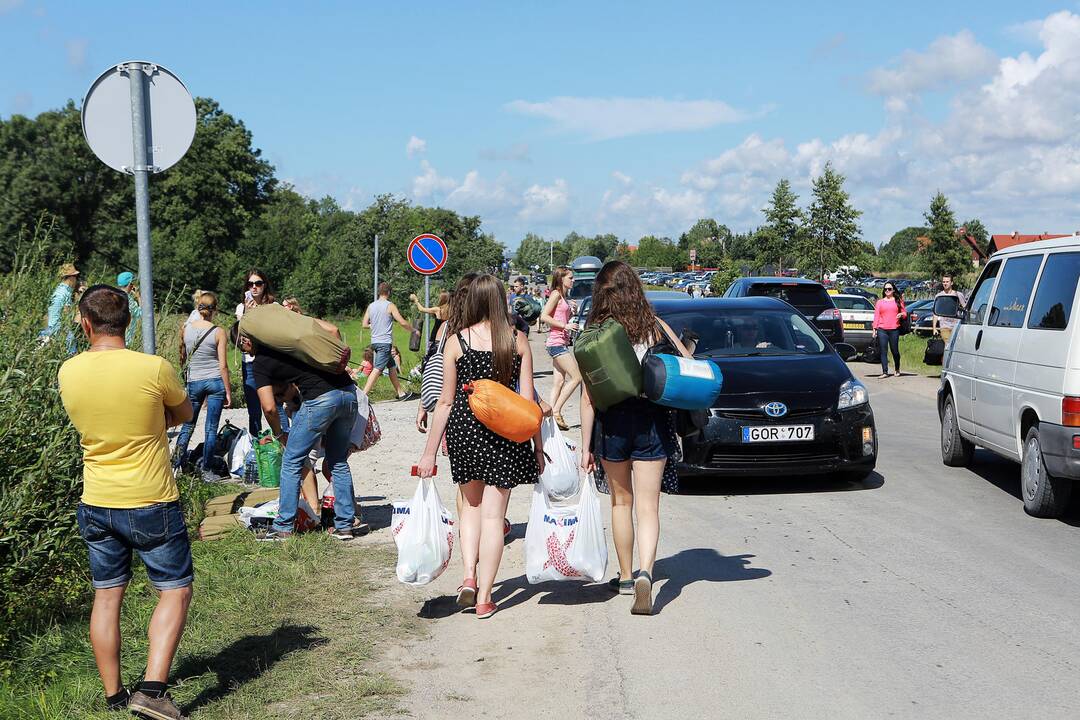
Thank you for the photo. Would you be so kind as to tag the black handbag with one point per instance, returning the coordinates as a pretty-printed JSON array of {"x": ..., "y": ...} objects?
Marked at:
[
  {"x": 905, "y": 322},
  {"x": 935, "y": 350}
]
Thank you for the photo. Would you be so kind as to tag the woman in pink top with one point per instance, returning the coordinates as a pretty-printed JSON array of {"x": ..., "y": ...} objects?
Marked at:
[
  {"x": 888, "y": 312},
  {"x": 556, "y": 314}
]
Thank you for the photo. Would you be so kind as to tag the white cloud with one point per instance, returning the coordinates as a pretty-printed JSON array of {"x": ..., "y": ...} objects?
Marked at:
[
  {"x": 616, "y": 117},
  {"x": 546, "y": 203},
  {"x": 623, "y": 178},
  {"x": 949, "y": 60},
  {"x": 76, "y": 52},
  {"x": 415, "y": 146},
  {"x": 430, "y": 183}
]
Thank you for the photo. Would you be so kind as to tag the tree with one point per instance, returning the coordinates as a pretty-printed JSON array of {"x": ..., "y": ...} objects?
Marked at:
[
  {"x": 708, "y": 238},
  {"x": 901, "y": 252},
  {"x": 977, "y": 230},
  {"x": 832, "y": 228},
  {"x": 534, "y": 251},
  {"x": 727, "y": 271},
  {"x": 945, "y": 254},
  {"x": 783, "y": 225},
  {"x": 656, "y": 252}
]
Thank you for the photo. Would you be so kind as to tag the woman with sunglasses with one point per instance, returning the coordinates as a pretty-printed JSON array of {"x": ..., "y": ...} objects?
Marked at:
[
  {"x": 257, "y": 291},
  {"x": 888, "y": 313},
  {"x": 202, "y": 353}
]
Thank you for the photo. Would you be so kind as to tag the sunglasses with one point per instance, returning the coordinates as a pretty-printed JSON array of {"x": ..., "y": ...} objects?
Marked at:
[
  {"x": 207, "y": 307},
  {"x": 890, "y": 288},
  {"x": 255, "y": 283}
]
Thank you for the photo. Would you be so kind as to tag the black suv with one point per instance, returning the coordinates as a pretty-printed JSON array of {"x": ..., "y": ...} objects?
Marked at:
[{"x": 807, "y": 296}]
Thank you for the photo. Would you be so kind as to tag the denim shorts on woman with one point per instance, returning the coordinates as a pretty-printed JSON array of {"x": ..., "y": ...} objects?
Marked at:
[
  {"x": 635, "y": 429},
  {"x": 157, "y": 532},
  {"x": 557, "y": 350}
]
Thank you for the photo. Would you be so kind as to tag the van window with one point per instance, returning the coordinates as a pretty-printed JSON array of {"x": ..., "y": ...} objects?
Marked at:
[
  {"x": 976, "y": 309},
  {"x": 1014, "y": 291},
  {"x": 1054, "y": 298}
]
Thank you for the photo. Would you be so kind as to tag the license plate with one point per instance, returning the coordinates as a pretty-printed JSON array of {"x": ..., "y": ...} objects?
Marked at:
[
  {"x": 777, "y": 433},
  {"x": 854, "y": 326}
]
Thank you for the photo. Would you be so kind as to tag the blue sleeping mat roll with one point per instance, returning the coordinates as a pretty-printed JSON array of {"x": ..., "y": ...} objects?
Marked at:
[{"x": 678, "y": 382}]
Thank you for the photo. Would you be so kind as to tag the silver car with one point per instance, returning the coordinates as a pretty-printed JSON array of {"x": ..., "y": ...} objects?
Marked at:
[{"x": 858, "y": 316}]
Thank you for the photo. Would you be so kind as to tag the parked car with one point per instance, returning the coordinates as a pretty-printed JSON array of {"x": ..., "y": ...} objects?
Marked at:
[
  {"x": 789, "y": 404},
  {"x": 921, "y": 314},
  {"x": 808, "y": 296},
  {"x": 858, "y": 291},
  {"x": 583, "y": 308},
  {"x": 858, "y": 315},
  {"x": 1010, "y": 379}
]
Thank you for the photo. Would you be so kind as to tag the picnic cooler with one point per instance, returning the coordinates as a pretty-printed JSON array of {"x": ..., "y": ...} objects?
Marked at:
[
  {"x": 296, "y": 335},
  {"x": 682, "y": 383},
  {"x": 609, "y": 366}
]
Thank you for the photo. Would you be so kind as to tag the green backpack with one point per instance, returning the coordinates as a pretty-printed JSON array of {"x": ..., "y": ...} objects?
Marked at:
[{"x": 609, "y": 366}]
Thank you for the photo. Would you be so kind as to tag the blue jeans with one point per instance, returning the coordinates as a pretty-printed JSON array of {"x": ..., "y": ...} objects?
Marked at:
[
  {"x": 212, "y": 392},
  {"x": 157, "y": 532},
  {"x": 889, "y": 339},
  {"x": 254, "y": 408},
  {"x": 330, "y": 417}
]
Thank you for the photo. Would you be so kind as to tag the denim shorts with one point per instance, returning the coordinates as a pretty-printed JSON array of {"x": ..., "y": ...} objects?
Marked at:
[
  {"x": 635, "y": 429},
  {"x": 382, "y": 355},
  {"x": 557, "y": 350},
  {"x": 157, "y": 532}
]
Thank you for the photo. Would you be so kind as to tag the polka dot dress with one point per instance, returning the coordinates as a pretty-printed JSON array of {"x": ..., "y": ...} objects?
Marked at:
[{"x": 477, "y": 453}]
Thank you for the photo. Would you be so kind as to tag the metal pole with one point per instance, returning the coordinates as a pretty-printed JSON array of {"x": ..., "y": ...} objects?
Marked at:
[
  {"x": 140, "y": 119},
  {"x": 427, "y": 303},
  {"x": 551, "y": 256},
  {"x": 375, "y": 287}
]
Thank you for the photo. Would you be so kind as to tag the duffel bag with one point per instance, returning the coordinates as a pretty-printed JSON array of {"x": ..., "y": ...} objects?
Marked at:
[
  {"x": 935, "y": 350},
  {"x": 678, "y": 382},
  {"x": 503, "y": 411},
  {"x": 297, "y": 336},
  {"x": 610, "y": 368}
]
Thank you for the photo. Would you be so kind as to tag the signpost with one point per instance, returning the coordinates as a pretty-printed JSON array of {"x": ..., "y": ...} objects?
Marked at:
[
  {"x": 427, "y": 255},
  {"x": 693, "y": 258},
  {"x": 138, "y": 118}
]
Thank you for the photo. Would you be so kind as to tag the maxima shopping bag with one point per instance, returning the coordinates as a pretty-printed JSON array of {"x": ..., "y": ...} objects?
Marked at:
[
  {"x": 566, "y": 541},
  {"x": 424, "y": 533}
]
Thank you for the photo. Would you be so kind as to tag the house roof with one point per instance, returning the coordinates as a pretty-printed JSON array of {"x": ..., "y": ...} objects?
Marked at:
[
  {"x": 1000, "y": 242},
  {"x": 973, "y": 245}
]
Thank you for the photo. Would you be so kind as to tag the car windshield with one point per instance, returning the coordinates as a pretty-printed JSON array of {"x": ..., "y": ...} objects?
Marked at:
[
  {"x": 735, "y": 333},
  {"x": 852, "y": 303},
  {"x": 797, "y": 294},
  {"x": 582, "y": 288}
]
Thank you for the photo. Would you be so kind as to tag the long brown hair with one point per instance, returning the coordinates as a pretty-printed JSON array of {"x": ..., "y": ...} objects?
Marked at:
[
  {"x": 458, "y": 298},
  {"x": 487, "y": 303},
  {"x": 268, "y": 289},
  {"x": 619, "y": 294},
  {"x": 558, "y": 276}
]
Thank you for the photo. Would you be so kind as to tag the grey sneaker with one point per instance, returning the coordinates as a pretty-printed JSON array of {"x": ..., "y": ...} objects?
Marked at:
[
  {"x": 273, "y": 536},
  {"x": 342, "y": 535},
  {"x": 148, "y": 708},
  {"x": 409, "y": 396},
  {"x": 642, "y": 594},
  {"x": 620, "y": 586}
]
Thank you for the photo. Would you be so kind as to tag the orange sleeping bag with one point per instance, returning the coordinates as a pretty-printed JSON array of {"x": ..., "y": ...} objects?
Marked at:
[{"x": 503, "y": 411}]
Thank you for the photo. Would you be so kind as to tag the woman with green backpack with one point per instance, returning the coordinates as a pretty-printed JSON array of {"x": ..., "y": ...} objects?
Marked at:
[{"x": 630, "y": 437}]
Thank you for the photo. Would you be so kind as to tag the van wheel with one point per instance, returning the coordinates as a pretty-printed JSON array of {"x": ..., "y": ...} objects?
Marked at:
[
  {"x": 955, "y": 450},
  {"x": 1044, "y": 496}
]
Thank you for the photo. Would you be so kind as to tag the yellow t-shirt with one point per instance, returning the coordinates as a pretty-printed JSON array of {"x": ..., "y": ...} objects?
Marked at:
[{"x": 116, "y": 400}]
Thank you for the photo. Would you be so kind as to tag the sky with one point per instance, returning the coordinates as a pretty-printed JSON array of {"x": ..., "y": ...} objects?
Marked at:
[{"x": 633, "y": 118}]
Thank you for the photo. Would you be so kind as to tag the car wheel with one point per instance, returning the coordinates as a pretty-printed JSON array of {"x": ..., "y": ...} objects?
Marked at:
[
  {"x": 1045, "y": 496},
  {"x": 956, "y": 451}
]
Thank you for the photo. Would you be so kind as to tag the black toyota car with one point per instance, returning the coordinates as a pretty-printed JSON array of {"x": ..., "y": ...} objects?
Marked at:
[{"x": 789, "y": 404}]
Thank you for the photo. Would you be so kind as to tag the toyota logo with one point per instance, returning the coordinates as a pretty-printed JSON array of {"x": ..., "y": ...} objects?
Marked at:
[{"x": 775, "y": 409}]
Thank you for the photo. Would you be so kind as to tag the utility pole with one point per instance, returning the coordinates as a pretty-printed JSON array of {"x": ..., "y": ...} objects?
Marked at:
[{"x": 375, "y": 286}]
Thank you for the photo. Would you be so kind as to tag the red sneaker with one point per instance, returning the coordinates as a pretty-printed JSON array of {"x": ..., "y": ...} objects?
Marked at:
[
  {"x": 506, "y": 528},
  {"x": 466, "y": 594},
  {"x": 486, "y": 610}
]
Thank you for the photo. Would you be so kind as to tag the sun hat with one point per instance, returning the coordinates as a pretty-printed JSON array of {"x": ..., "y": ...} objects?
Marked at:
[
  {"x": 68, "y": 269},
  {"x": 124, "y": 279}
]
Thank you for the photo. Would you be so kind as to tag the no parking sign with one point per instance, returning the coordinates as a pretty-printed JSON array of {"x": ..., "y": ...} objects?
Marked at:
[{"x": 427, "y": 254}]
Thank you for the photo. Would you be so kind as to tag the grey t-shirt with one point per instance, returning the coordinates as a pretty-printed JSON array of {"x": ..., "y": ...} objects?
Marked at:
[
  {"x": 204, "y": 360},
  {"x": 381, "y": 323}
]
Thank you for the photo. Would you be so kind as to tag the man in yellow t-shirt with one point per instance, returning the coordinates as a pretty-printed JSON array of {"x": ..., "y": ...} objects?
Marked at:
[{"x": 121, "y": 402}]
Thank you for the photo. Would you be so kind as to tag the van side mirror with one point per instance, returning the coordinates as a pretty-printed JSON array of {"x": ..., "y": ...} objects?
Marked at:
[
  {"x": 948, "y": 306},
  {"x": 845, "y": 351}
]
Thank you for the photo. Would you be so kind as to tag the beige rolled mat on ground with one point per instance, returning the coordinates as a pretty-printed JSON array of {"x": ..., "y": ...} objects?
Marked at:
[{"x": 296, "y": 335}]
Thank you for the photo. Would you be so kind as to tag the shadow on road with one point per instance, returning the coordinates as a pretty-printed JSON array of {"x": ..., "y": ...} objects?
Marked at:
[
  {"x": 245, "y": 660},
  {"x": 515, "y": 591},
  {"x": 700, "y": 565},
  {"x": 772, "y": 485},
  {"x": 1005, "y": 475},
  {"x": 377, "y": 516}
]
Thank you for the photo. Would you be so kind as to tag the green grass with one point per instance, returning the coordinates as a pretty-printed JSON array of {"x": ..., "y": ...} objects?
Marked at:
[
  {"x": 275, "y": 631},
  {"x": 911, "y": 356}
]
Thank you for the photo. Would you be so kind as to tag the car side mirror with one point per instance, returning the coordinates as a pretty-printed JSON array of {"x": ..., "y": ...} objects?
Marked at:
[
  {"x": 845, "y": 351},
  {"x": 947, "y": 306}
]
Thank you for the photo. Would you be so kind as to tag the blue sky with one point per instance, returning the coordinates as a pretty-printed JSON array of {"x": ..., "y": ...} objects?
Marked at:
[{"x": 631, "y": 118}]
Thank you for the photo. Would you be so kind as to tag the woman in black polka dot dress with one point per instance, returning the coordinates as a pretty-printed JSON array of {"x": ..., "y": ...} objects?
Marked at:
[{"x": 484, "y": 464}]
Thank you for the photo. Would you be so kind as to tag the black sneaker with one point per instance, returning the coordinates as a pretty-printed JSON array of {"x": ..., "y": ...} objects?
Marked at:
[
  {"x": 620, "y": 586},
  {"x": 273, "y": 536},
  {"x": 409, "y": 396},
  {"x": 342, "y": 535}
]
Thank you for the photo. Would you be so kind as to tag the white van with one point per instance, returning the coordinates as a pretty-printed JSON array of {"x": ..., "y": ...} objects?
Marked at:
[{"x": 1010, "y": 379}]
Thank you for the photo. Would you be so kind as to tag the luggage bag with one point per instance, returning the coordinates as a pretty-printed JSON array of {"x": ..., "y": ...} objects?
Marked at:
[
  {"x": 296, "y": 335},
  {"x": 935, "y": 351},
  {"x": 609, "y": 366}
]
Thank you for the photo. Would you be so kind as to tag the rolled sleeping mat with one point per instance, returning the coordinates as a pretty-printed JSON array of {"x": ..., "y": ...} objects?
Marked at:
[
  {"x": 682, "y": 383},
  {"x": 296, "y": 335}
]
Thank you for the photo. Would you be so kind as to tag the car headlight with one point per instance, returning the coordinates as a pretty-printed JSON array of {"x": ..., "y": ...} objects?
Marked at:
[{"x": 852, "y": 394}]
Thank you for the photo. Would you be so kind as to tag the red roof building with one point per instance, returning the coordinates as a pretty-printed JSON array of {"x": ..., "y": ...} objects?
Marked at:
[
  {"x": 977, "y": 255},
  {"x": 1000, "y": 242}
]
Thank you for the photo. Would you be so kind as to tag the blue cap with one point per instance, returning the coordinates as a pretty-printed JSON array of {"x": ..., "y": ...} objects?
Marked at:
[{"x": 124, "y": 279}]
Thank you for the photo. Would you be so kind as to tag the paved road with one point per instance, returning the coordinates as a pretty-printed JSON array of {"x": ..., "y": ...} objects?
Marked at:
[{"x": 924, "y": 592}]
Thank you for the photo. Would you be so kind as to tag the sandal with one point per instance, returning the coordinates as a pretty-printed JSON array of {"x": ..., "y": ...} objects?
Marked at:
[
  {"x": 486, "y": 610},
  {"x": 466, "y": 593},
  {"x": 642, "y": 594}
]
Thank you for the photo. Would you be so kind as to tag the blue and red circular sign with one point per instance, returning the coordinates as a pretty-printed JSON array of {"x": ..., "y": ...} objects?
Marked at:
[{"x": 427, "y": 254}]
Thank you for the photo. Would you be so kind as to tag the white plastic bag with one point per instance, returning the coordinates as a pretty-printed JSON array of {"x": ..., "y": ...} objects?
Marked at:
[
  {"x": 238, "y": 453},
  {"x": 262, "y": 516},
  {"x": 424, "y": 533},
  {"x": 565, "y": 541},
  {"x": 560, "y": 477}
]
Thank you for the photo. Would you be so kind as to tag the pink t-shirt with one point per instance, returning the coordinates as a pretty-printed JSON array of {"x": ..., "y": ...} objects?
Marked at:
[
  {"x": 885, "y": 314},
  {"x": 557, "y": 336}
]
